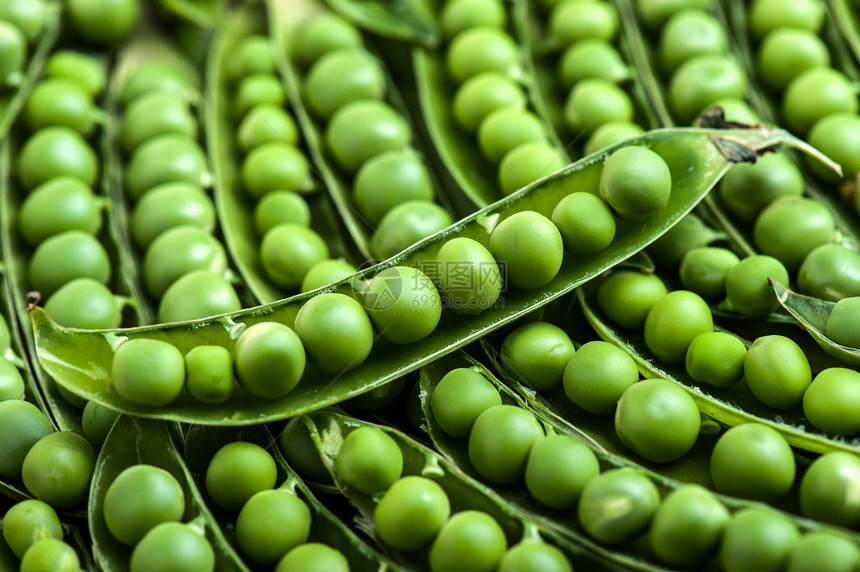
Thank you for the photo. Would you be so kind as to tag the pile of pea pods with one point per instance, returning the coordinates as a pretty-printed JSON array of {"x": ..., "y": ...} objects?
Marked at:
[{"x": 429, "y": 285}]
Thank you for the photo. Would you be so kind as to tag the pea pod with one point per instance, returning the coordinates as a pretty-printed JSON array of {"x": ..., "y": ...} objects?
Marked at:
[
  {"x": 11, "y": 106},
  {"x": 847, "y": 21},
  {"x": 139, "y": 441},
  {"x": 464, "y": 493},
  {"x": 81, "y": 360},
  {"x": 203, "y": 442},
  {"x": 408, "y": 21}
]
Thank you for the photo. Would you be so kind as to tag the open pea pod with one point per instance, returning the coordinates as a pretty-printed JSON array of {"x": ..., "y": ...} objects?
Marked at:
[
  {"x": 812, "y": 314},
  {"x": 132, "y": 442},
  {"x": 235, "y": 213},
  {"x": 11, "y": 104},
  {"x": 409, "y": 21},
  {"x": 847, "y": 21},
  {"x": 81, "y": 360},
  {"x": 464, "y": 493},
  {"x": 203, "y": 442},
  {"x": 729, "y": 407}
]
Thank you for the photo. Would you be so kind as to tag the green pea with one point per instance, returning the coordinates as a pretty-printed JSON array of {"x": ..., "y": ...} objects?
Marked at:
[
  {"x": 335, "y": 331},
  {"x": 716, "y": 358},
  {"x": 835, "y": 135},
  {"x": 22, "y": 424},
  {"x": 269, "y": 360},
  {"x": 704, "y": 270},
  {"x": 777, "y": 371},
  {"x": 591, "y": 58},
  {"x": 703, "y": 79},
  {"x": 748, "y": 291},
  {"x": 168, "y": 206},
  {"x": 362, "y": 129},
  {"x": 165, "y": 159},
  {"x": 827, "y": 490},
  {"x": 484, "y": 93},
  {"x": 369, "y": 460},
  {"x": 597, "y": 375},
  {"x": 557, "y": 469},
  {"x": 178, "y": 251},
  {"x": 389, "y": 179},
  {"x": 411, "y": 512},
  {"x": 66, "y": 256},
  {"x": 13, "y": 49},
  {"x": 271, "y": 523},
  {"x": 617, "y": 505},
  {"x": 687, "y": 34},
  {"x": 403, "y": 304},
  {"x": 635, "y": 183},
  {"x": 340, "y": 77},
  {"x": 626, "y": 296},
  {"x": 593, "y": 102},
  {"x": 84, "y": 303},
  {"x": 753, "y": 461},
  {"x": 154, "y": 114},
  {"x": 28, "y": 521},
  {"x": 823, "y": 550},
  {"x": 768, "y": 15},
  {"x": 198, "y": 294},
  {"x": 172, "y": 547},
  {"x": 458, "y": 15},
  {"x": 301, "y": 453},
  {"x": 27, "y": 15},
  {"x": 610, "y": 133},
  {"x": 288, "y": 251},
  {"x": 749, "y": 187},
  {"x": 736, "y": 110},
  {"x": 530, "y": 247},
  {"x": 811, "y": 222},
  {"x": 60, "y": 101},
  {"x": 267, "y": 123},
  {"x": 585, "y": 222},
  {"x": 58, "y": 205},
  {"x": 507, "y": 128},
  {"x": 470, "y": 541},
  {"x": 325, "y": 272},
  {"x": 56, "y": 151},
  {"x": 138, "y": 499},
  {"x": 482, "y": 49},
  {"x": 841, "y": 325},
  {"x": 58, "y": 469},
  {"x": 534, "y": 555},
  {"x": 49, "y": 554},
  {"x": 406, "y": 224},
  {"x": 658, "y": 420},
  {"x": 280, "y": 207},
  {"x": 323, "y": 33},
  {"x": 830, "y": 402},
  {"x": 149, "y": 372},
  {"x": 209, "y": 373},
  {"x": 814, "y": 94},
  {"x": 785, "y": 53},
  {"x": 103, "y": 23},
  {"x": 237, "y": 472},
  {"x": 467, "y": 274},
  {"x": 81, "y": 67},
  {"x": 11, "y": 382},
  {"x": 572, "y": 21},
  {"x": 500, "y": 441},
  {"x": 313, "y": 557},
  {"x": 688, "y": 526},
  {"x": 251, "y": 54},
  {"x": 96, "y": 422},
  {"x": 673, "y": 322},
  {"x": 275, "y": 166},
  {"x": 460, "y": 396},
  {"x": 757, "y": 540},
  {"x": 689, "y": 233},
  {"x": 654, "y": 13},
  {"x": 256, "y": 89},
  {"x": 537, "y": 354},
  {"x": 527, "y": 163}
]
